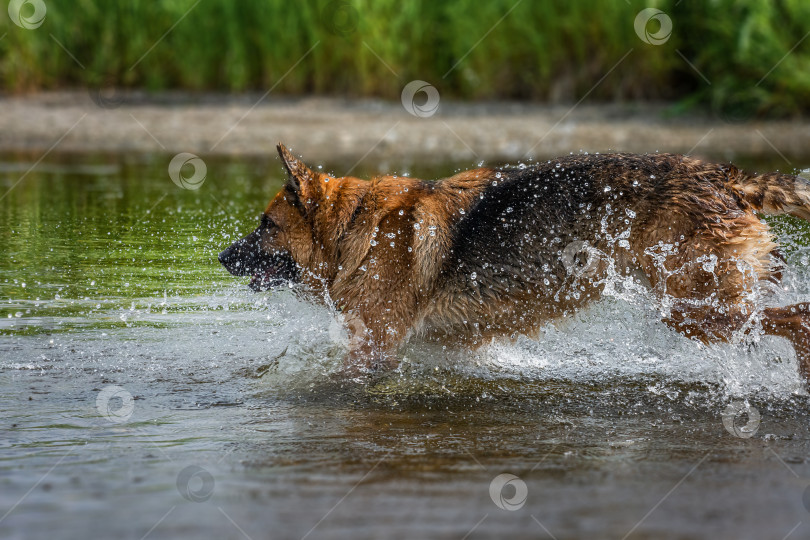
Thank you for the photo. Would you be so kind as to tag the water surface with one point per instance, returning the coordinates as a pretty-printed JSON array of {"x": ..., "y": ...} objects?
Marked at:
[{"x": 223, "y": 421}]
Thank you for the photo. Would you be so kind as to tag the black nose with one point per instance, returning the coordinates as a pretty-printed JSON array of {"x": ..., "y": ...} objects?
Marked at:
[
  {"x": 239, "y": 261},
  {"x": 229, "y": 258}
]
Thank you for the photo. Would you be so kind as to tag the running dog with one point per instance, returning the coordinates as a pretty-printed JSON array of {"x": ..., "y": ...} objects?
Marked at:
[{"x": 498, "y": 252}]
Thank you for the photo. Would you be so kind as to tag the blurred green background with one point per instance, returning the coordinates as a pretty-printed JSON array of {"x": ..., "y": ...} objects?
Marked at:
[{"x": 752, "y": 55}]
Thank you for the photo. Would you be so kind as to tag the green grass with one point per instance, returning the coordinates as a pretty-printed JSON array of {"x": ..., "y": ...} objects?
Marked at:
[{"x": 543, "y": 50}]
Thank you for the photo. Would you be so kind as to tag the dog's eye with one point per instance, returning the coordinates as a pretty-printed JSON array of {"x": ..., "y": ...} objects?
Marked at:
[{"x": 267, "y": 223}]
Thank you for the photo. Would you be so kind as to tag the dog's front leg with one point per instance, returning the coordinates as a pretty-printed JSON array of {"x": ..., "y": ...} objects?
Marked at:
[{"x": 372, "y": 345}]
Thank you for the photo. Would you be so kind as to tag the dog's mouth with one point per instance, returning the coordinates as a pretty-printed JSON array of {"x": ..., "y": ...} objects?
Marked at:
[
  {"x": 280, "y": 270},
  {"x": 267, "y": 269},
  {"x": 266, "y": 280}
]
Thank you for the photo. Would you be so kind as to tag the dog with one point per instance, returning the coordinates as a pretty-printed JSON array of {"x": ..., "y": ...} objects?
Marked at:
[{"x": 499, "y": 252}]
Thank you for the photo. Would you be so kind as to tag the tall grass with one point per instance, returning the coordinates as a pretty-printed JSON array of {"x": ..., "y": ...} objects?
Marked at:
[{"x": 544, "y": 50}]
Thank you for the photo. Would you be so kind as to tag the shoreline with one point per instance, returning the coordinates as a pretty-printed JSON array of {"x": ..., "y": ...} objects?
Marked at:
[{"x": 364, "y": 130}]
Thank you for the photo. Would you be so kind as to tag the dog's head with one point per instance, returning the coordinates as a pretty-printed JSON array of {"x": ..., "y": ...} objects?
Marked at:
[{"x": 299, "y": 230}]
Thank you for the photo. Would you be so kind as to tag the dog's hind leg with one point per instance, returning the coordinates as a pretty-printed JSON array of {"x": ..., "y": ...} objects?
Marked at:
[
  {"x": 708, "y": 277},
  {"x": 713, "y": 325},
  {"x": 719, "y": 325},
  {"x": 717, "y": 317},
  {"x": 792, "y": 323}
]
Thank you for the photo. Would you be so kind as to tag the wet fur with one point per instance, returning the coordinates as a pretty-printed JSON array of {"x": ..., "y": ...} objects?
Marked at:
[{"x": 488, "y": 252}]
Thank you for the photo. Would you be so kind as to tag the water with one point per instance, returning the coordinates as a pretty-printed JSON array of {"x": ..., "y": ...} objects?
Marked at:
[{"x": 223, "y": 421}]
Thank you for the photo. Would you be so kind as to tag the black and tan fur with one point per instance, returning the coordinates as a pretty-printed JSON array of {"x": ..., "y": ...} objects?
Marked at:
[{"x": 501, "y": 252}]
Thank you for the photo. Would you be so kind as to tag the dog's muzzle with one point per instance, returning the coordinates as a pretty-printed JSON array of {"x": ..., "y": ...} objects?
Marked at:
[{"x": 246, "y": 257}]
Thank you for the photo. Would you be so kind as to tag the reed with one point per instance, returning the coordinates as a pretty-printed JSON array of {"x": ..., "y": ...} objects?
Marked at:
[{"x": 543, "y": 50}]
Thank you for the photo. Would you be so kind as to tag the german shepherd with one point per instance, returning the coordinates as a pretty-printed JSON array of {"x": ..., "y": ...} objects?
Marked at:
[{"x": 498, "y": 252}]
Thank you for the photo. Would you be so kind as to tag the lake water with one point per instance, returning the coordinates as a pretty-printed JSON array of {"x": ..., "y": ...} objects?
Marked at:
[{"x": 146, "y": 393}]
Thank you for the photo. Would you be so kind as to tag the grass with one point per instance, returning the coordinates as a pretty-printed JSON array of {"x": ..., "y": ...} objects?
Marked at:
[{"x": 542, "y": 50}]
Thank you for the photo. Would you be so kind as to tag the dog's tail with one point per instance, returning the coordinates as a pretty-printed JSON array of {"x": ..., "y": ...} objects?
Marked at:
[{"x": 776, "y": 193}]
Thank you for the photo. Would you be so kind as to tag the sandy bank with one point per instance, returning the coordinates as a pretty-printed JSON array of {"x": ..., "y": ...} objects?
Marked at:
[{"x": 350, "y": 131}]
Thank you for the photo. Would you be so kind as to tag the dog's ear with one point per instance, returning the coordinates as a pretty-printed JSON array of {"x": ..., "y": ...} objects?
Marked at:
[{"x": 302, "y": 183}]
